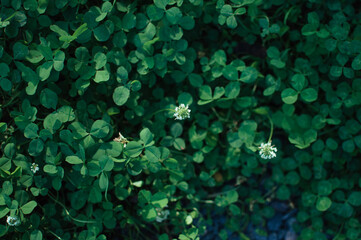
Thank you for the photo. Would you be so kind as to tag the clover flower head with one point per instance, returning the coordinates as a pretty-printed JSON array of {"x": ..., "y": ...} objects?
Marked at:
[
  {"x": 13, "y": 221},
  {"x": 121, "y": 139},
  {"x": 182, "y": 112},
  {"x": 34, "y": 167},
  {"x": 267, "y": 151},
  {"x": 161, "y": 215}
]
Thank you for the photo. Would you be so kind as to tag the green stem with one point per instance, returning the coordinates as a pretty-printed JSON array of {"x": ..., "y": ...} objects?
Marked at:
[
  {"x": 10, "y": 17},
  {"x": 55, "y": 234},
  {"x": 10, "y": 101},
  {"x": 159, "y": 111},
  {"x": 271, "y": 133},
  {"x": 219, "y": 117},
  {"x": 67, "y": 212},
  {"x": 219, "y": 193}
]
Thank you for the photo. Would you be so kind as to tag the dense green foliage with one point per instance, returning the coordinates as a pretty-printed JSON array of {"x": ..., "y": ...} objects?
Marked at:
[{"x": 75, "y": 73}]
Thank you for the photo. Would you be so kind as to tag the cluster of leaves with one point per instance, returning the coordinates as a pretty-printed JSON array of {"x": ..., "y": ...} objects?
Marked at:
[{"x": 74, "y": 73}]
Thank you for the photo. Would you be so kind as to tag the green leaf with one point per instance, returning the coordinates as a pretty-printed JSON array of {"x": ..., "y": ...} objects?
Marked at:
[
  {"x": 36, "y": 146},
  {"x": 234, "y": 139},
  {"x": 309, "y": 95},
  {"x": 59, "y": 31},
  {"x": 144, "y": 197},
  {"x": 152, "y": 153},
  {"x": 161, "y": 3},
  {"x": 218, "y": 92},
  {"x": 323, "y": 203},
  {"x": 187, "y": 22},
  {"x": 5, "y": 84},
  {"x": 58, "y": 61},
  {"x": 31, "y": 131},
  {"x": 10, "y": 150},
  {"x": 134, "y": 149},
  {"x": 283, "y": 193},
  {"x": 52, "y": 122},
  {"x": 34, "y": 57},
  {"x": 102, "y": 33},
  {"x": 44, "y": 70},
  {"x": 29, "y": 76},
  {"x": 103, "y": 181},
  {"x": 324, "y": 187},
  {"x": 355, "y": 199},
  {"x": 249, "y": 75},
  {"x": 298, "y": 81},
  {"x": 173, "y": 15},
  {"x": 100, "y": 60},
  {"x": 36, "y": 235},
  {"x": 73, "y": 160},
  {"x": 101, "y": 76},
  {"x": 129, "y": 21},
  {"x": 121, "y": 95},
  {"x": 205, "y": 92},
  {"x": 176, "y": 129},
  {"x": 159, "y": 200},
  {"x": 232, "y": 89},
  {"x": 147, "y": 137},
  {"x": 230, "y": 72},
  {"x": 80, "y": 30},
  {"x": 304, "y": 139},
  {"x": 48, "y": 98},
  {"x": 20, "y": 51},
  {"x": 348, "y": 146},
  {"x": 231, "y": 22},
  {"x": 100, "y": 129},
  {"x": 179, "y": 144},
  {"x": 336, "y": 71},
  {"x": 289, "y": 96},
  {"x": 65, "y": 114},
  {"x": 28, "y": 207},
  {"x": 149, "y": 213},
  {"x": 227, "y": 10},
  {"x": 4, "y": 70},
  {"x": 356, "y": 63},
  {"x": 247, "y": 132}
]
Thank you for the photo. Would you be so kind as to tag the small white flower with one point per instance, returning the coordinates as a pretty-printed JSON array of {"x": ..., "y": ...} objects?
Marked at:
[
  {"x": 13, "y": 221},
  {"x": 121, "y": 139},
  {"x": 182, "y": 112},
  {"x": 267, "y": 151},
  {"x": 161, "y": 215},
  {"x": 34, "y": 167}
]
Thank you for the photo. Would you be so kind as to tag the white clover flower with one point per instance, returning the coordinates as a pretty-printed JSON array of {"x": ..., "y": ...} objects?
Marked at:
[
  {"x": 34, "y": 167},
  {"x": 161, "y": 215},
  {"x": 267, "y": 151},
  {"x": 182, "y": 112},
  {"x": 13, "y": 221},
  {"x": 121, "y": 139}
]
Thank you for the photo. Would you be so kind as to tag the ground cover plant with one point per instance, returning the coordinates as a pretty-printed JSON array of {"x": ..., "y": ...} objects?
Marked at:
[{"x": 150, "y": 119}]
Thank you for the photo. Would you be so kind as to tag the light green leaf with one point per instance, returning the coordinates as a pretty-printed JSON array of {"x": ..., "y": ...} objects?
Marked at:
[
  {"x": 121, "y": 95},
  {"x": 289, "y": 96},
  {"x": 323, "y": 203},
  {"x": 28, "y": 207},
  {"x": 100, "y": 129},
  {"x": 73, "y": 160},
  {"x": 48, "y": 98},
  {"x": 101, "y": 76}
]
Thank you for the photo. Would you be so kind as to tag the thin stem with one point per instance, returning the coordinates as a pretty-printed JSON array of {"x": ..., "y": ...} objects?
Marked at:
[
  {"x": 219, "y": 117},
  {"x": 67, "y": 212},
  {"x": 10, "y": 101},
  {"x": 216, "y": 194},
  {"x": 159, "y": 111},
  {"x": 54, "y": 234},
  {"x": 271, "y": 133}
]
